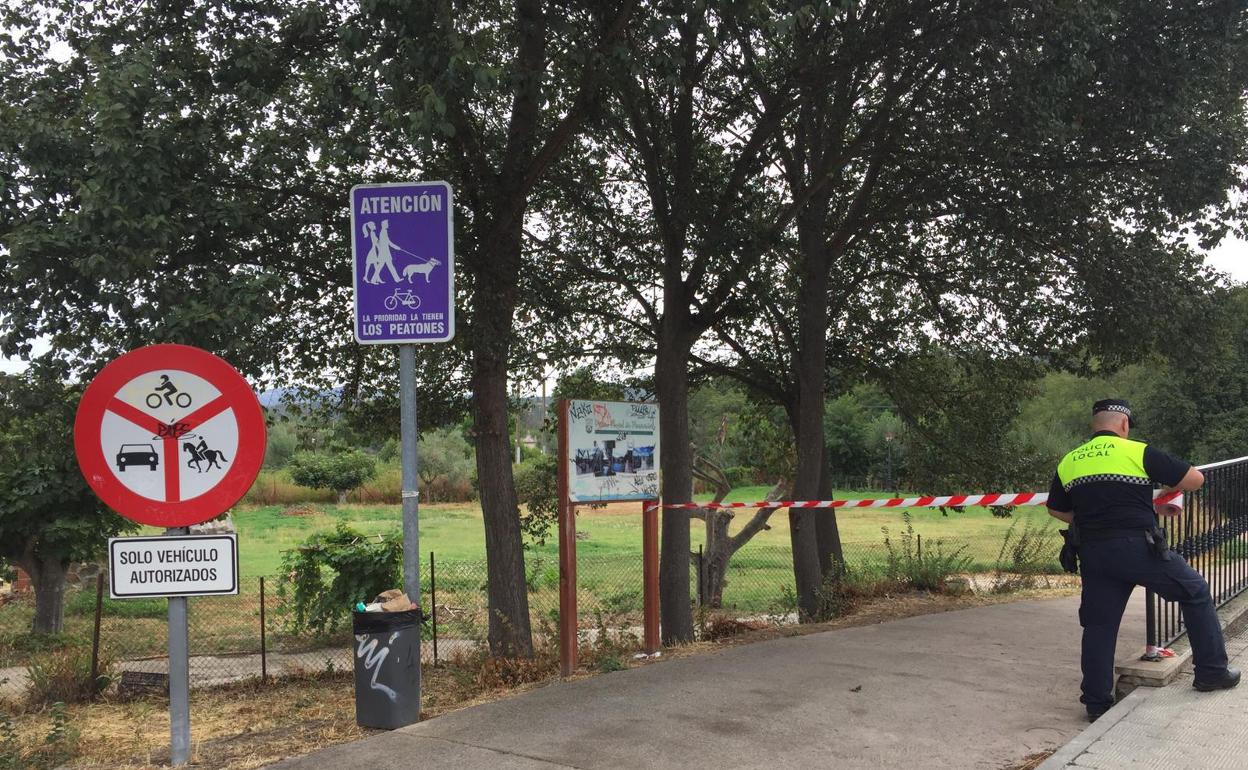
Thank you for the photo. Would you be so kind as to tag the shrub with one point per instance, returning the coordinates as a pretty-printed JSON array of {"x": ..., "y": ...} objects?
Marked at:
[
  {"x": 923, "y": 571},
  {"x": 332, "y": 571},
  {"x": 446, "y": 462},
  {"x": 31, "y": 642},
  {"x": 390, "y": 450},
  {"x": 341, "y": 472},
  {"x": 537, "y": 489},
  {"x": 282, "y": 443},
  {"x": 741, "y": 476},
  {"x": 1025, "y": 554},
  {"x": 82, "y": 604},
  {"x": 65, "y": 675}
]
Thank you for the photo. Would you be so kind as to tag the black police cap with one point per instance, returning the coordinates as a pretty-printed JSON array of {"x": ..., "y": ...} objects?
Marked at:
[{"x": 1114, "y": 405}]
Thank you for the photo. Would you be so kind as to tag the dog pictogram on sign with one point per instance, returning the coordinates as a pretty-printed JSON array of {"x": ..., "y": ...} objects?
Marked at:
[{"x": 169, "y": 435}]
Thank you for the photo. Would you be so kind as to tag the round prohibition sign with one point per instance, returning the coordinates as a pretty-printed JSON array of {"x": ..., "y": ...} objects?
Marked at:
[{"x": 169, "y": 435}]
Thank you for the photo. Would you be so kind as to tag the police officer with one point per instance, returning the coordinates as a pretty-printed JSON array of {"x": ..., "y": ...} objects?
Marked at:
[{"x": 1104, "y": 489}]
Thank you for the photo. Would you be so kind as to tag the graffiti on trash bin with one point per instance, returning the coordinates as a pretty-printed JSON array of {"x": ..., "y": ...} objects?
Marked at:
[{"x": 367, "y": 650}]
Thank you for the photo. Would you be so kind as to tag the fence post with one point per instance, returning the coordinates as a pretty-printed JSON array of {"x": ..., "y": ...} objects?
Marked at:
[
  {"x": 264, "y": 646},
  {"x": 568, "y": 626},
  {"x": 919, "y": 540},
  {"x": 433, "y": 601},
  {"x": 650, "y": 575},
  {"x": 95, "y": 635},
  {"x": 701, "y": 579}
]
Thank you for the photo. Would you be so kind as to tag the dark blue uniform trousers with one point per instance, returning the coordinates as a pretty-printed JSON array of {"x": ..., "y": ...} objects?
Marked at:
[{"x": 1111, "y": 569}]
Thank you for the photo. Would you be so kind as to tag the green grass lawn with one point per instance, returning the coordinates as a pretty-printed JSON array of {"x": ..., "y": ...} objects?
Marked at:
[
  {"x": 759, "y": 579},
  {"x": 455, "y": 532}
]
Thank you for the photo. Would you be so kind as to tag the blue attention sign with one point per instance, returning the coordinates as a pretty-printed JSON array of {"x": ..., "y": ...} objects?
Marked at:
[{"x": 403, "y": 251}]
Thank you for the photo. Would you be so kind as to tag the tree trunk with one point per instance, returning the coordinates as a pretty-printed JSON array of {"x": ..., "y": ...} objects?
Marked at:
[
  {"x": 716, "y": 554},
  {"x": 807, "y": 418},
  {"x": 342, "y": 497},
  {"x": 496, "y": 273},
  {"x": 48, "y": 578},
  {"x": 827, "y": 533},
  {"x": 672, "y": 379}
]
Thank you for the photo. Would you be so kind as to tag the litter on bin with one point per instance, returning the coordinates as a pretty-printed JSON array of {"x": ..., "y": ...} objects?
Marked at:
[{"x": 393, "y": 600}]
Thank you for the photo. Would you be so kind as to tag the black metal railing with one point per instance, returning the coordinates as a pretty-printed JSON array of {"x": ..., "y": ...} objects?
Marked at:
[{"x": 1210, "y": 535}]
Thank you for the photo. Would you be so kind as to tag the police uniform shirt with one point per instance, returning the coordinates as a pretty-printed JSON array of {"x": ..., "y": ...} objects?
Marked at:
[{"x": 1108, "y": 482}]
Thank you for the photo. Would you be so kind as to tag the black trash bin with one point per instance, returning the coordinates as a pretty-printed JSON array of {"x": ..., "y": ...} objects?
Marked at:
[{"x": 387, "y": 674}]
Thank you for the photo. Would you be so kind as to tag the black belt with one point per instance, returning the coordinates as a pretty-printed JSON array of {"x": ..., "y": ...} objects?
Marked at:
[{"x": 1094, "y": 535}]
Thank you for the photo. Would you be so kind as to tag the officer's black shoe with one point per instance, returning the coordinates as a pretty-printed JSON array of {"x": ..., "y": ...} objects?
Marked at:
[
  {"x": 1095, "y": 715},
  {"x": 1224, "y": 682}
]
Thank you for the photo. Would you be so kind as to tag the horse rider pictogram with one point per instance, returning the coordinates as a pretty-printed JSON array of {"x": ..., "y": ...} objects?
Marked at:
[{"x": 201, "y": 454}]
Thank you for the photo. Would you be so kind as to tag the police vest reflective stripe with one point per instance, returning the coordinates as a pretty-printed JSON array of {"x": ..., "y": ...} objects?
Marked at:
[{"x": 1104, "y": 458}]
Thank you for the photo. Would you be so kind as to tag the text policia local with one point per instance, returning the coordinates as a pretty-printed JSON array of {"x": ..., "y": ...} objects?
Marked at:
[
  {"x": 399, "y": 204},
  {"x": 167, "y": 558}
]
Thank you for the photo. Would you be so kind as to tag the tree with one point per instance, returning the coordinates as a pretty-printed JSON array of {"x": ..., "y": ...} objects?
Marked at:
[
  {"x": 181, "y": 177},
  {"x": 444, "y": 455},
  {"x": 682, "y": 152},
  {"x": 339, "y": 471},
  {"x": 1195, "y": 404},
  {"x": 956, "y": 179},
  {"x": 49, "y": 517}
]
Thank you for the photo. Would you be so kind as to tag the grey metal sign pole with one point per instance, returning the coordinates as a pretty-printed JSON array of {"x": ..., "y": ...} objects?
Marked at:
[
  {"x": 408, "y": 439},
  {"x": 179, "y": 677}
]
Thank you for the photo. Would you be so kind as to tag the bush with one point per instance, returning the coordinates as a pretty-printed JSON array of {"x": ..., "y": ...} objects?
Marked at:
[
  {"x": 537, "y": 489},
  {"x": 923, "y": 571},
  {"x": 1025, "y": 554},
  {"x": 30, "y": 642},
  {"x": 282, "y": 444},
  {"x": 341, "y": 472},
  {"x": 82, "y": 604},
  {"x": 446, "y": 464},
  {"x": 65, "y": 675},
  {"x": 741, "y": 476},
  {"x": 390, "y": 450},
  {"x": 332, "y": 571}
]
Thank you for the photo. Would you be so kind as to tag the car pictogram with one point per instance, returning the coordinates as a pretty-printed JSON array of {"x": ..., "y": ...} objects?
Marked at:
[{"x": 137, "y": 454}]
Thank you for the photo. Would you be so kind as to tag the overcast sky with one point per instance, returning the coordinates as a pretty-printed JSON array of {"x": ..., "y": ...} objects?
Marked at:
[{"x": 1231, "y": 257}]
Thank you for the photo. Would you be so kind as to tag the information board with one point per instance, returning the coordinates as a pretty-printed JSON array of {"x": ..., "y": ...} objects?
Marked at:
[{"x": 613, "y": 451}]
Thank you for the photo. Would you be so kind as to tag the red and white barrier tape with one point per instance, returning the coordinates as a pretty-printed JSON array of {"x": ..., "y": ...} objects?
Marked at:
[{"x": 1009, "y": 498}]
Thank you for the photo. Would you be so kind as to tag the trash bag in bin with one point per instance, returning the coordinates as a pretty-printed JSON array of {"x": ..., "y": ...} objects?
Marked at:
[{"x": 387, "y": 674}]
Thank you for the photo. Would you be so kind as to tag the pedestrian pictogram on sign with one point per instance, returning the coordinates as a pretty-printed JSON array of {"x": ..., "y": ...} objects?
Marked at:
[
  {"x": 169, "y": 435},
  {"x": 403, "y": 252}
]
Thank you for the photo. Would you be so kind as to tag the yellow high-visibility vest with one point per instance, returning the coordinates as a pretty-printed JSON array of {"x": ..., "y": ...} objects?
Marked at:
[{"x": 1104, "y": 458}]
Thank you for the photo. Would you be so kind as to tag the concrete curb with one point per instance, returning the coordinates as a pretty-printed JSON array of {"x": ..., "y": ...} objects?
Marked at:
[{"x": 1084, "y": 740}]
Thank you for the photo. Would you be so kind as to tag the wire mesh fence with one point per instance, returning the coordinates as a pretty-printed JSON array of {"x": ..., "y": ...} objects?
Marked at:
[{"x": 253, "y": 635}]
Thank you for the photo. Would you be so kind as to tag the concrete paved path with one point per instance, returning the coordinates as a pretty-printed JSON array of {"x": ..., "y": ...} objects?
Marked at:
[
  {"x": 978, "y": 688},
  {"x": 1168, "y": 728}
]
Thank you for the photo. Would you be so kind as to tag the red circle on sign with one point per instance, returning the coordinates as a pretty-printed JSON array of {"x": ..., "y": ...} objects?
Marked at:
[{"x": 236, "y": 396}]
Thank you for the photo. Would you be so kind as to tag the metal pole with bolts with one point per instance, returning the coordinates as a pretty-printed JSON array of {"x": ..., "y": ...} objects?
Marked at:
[
  {"x": 179, "y": 676},
  {"x": 408, "y": 439}
]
